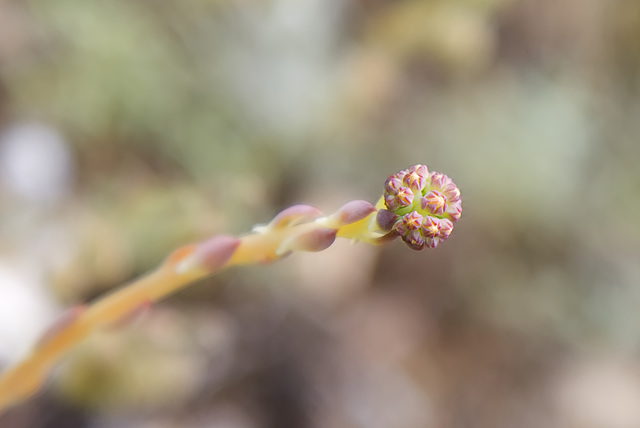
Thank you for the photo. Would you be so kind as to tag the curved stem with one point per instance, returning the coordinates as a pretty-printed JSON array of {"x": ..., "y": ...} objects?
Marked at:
[{"x": 184, "y": 266}]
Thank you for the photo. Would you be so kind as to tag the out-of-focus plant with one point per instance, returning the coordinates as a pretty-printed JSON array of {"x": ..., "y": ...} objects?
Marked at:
[{"x": 417, "y": 205}]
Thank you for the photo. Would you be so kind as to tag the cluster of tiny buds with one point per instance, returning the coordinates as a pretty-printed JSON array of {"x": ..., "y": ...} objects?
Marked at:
[{"x": 421, "y": 206}]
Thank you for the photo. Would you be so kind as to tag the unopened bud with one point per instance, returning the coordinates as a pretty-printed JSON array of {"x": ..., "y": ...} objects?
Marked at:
[
  {"x": 408, "y": 223},
  {"x": 434, "y": 202},
  {"x": 396, "y": 194},
  {"x": 416, "y": 177},
  {"x": 408, "y": 228},
  {"x": 425, "y": 205},
  {"x": 431, "y": 231},
  {"x": 454, "y": 211}
]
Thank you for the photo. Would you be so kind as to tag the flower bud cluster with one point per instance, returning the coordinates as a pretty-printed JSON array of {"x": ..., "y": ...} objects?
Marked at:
[{"x": 425, "y": 205}]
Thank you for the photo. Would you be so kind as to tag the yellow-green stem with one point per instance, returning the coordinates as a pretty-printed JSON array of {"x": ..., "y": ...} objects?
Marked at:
[{"x": 25, "y": 378}]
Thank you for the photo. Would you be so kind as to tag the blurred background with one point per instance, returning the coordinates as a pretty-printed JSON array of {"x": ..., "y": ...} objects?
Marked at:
[{"x": 130, "y": 127}]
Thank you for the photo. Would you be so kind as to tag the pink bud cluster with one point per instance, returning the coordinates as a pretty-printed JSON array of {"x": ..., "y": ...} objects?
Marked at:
[{"x": 425, "y": 204}]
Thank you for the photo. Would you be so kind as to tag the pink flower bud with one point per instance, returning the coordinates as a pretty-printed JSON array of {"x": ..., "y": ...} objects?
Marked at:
[
  {"x": 437, "y": 180},
  {"x": 408, "y": 228},
  {"x": 416, "y": 177},
  {"x": 393, "y": 184},
  {"x": 446, "y": 227},
  {"x": 431, "y": 231},
  {"x": 435, "y": 230},
  {"x": 401, "y": 174},
  {"x": 408, "y": 222},
  {"x": 451, "y": 191},
  {"x": 431, "y": 227},
  {"x": 396, "y": 194},
  {"x": 414, "y": 240},
  {"x": 434, "y": 202},
  {"x": 454, "y": 211},
  {"x": 403, "y": 197}
]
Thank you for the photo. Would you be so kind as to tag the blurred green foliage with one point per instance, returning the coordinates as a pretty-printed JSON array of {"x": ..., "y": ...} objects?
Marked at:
[{"x": 207, "y": 116}]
